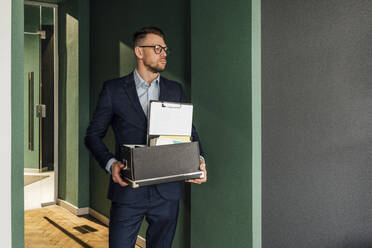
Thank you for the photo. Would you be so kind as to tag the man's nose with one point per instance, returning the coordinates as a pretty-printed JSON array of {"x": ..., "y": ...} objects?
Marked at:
[{"x": 163, "y": 53}]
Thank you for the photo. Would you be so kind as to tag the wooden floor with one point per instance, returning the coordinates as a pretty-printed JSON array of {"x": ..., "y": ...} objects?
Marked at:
[{"x": 54, "y": 226}]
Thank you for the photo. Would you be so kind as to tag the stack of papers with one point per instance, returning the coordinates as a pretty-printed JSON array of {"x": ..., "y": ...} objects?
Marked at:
[{"x": 169, "y": 140}]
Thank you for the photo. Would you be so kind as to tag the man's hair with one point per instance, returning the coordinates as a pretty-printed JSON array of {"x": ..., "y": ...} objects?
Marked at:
[{"x": 141, "y": 34}]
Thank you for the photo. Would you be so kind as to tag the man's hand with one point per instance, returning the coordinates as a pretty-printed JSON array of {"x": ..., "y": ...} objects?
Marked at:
[
  {"x": 201, "y": 180},
  {"x": 116, "y": 167}
]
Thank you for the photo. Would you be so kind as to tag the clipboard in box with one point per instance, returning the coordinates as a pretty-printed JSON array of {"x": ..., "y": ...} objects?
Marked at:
[
  {"x": 169, "y": 119},
  {"x": 149, "y": 165}
]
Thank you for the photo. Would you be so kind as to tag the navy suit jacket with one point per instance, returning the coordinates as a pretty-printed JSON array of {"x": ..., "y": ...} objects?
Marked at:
[{"x": 119, "y": 106}]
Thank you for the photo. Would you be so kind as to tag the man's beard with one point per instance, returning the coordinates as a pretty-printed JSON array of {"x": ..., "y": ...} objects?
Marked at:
[{"x": 155, "y": 69}]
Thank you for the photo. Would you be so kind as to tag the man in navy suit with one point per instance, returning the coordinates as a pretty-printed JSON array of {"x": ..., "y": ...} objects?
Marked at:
[{"x": 123, "y": 104}]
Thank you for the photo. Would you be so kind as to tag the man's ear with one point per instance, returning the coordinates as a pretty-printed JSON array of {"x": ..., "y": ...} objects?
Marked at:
[{"x": 138, "y": 52}]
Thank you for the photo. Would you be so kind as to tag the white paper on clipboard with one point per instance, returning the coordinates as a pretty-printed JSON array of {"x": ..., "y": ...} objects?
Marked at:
[{"x": 170, "y": 118}]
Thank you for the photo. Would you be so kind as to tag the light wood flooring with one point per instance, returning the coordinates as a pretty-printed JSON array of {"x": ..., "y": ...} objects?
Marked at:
[{"x": 54, "y": 226}]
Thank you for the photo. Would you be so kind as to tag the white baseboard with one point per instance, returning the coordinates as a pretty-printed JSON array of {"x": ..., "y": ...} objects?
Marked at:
[
  {"x": 99, "y": 216},
  {"x": 141, "y": 242},
  {"x": 73, "y": 209}
]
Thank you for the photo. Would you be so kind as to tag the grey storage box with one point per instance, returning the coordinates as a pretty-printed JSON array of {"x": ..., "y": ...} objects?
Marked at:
[{"x": 149, "y": 165}]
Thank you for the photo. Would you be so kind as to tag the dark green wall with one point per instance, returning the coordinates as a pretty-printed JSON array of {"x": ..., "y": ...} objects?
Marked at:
[
  {"x": 111, "y": 57},
  {"x": 225, "y": 91},
  {"x": 73, "y": 102},
  {"x": 221, "y": 90},
  {"x": 17, "y": 91},
  {"x": 31, "y": 18},
  {"x": 47, "y": 16}
]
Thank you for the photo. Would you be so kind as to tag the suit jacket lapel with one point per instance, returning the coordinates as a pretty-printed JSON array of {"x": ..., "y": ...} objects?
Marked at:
[
  {"x": 130, "y": 89},
  {"x": 163, "y": 95}
]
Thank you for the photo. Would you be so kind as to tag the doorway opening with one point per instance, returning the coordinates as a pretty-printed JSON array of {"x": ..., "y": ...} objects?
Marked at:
[{"x": 41, "y": 104}]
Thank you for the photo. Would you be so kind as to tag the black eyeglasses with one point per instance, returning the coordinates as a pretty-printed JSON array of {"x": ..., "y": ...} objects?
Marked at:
[{"x": 158, "y": 49}]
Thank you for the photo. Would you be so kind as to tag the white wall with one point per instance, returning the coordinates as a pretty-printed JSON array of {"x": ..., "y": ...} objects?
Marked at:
[{"x": 5, "y": 123}]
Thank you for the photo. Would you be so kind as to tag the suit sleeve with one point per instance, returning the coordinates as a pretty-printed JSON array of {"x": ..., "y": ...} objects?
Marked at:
[
  {"x": 194, "y": 133},
  {"x": 98, "y": 127}
]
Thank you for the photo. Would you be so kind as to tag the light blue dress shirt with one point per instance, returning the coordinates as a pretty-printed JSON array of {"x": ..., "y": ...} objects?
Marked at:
[{"x": 146, "y": 92}]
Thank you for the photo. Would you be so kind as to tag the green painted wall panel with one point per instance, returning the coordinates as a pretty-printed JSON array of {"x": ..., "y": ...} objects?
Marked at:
[
  {"x": 73, "y": 102},
  {"x": 62, "y": 96},
  {"x": 17, "y": 101},
  {"x": 256, "y": 126},
  {"x": 221, "y": 210},
  {"x": 111, "y": 57}
]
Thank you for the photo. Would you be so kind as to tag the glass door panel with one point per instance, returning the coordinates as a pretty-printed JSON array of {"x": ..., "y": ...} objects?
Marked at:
[
  {"x": 31, "y": 80},
  {"x": 39, "y": 114}
]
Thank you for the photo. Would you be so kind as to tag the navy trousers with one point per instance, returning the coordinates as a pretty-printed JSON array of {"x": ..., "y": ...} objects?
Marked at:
[{"x": 126, "y": 219}]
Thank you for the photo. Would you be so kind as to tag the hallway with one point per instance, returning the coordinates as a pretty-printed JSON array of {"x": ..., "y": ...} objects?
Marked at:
[{"x": 54, "y": 226}]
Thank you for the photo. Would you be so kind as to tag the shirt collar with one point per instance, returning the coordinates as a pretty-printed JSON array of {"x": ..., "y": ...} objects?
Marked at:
[{"x": 142, "y": 83}]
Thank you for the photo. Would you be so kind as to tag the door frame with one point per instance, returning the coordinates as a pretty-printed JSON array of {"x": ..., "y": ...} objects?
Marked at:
[{"x": 56, "y": 77}]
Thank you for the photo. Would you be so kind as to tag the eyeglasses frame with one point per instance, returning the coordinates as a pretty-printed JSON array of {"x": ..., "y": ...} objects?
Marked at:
[{"x": 161, "y": 49}]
